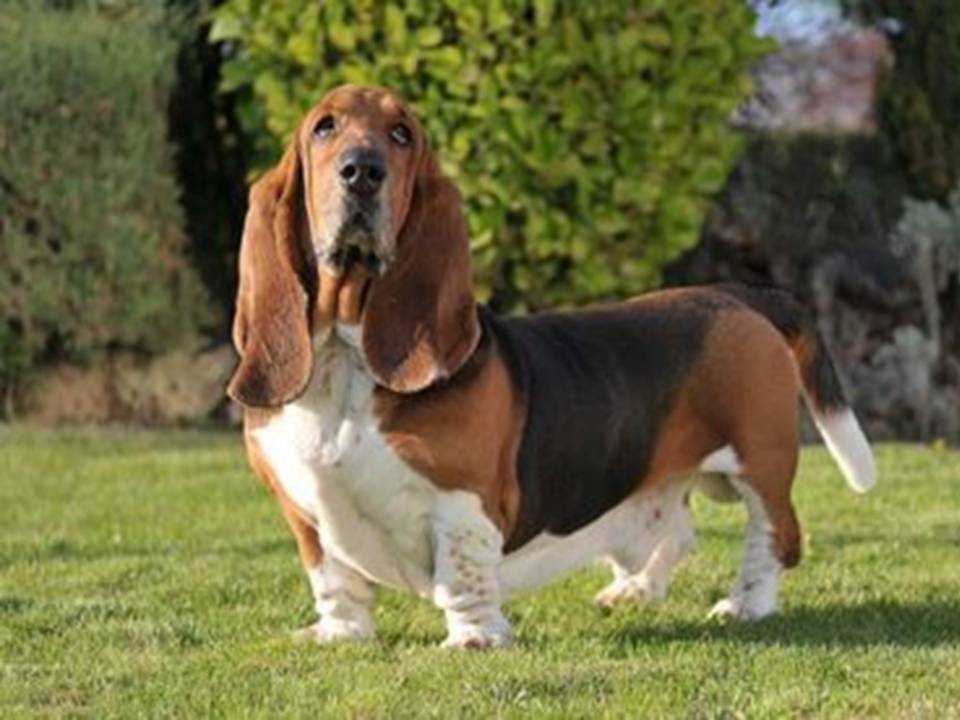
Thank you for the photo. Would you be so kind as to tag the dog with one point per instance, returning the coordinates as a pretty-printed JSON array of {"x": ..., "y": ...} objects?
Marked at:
[{"x": 417, "y": 440}]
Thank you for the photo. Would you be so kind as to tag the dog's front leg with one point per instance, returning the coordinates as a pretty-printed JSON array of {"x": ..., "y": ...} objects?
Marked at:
[
  {"x": 343, "y": 598},
  {"x": 468, "y": 548},
  {"x": 344, "y": 601}
]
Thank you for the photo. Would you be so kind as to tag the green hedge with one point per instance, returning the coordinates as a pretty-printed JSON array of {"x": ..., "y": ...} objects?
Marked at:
[
  {"x": 90, "y": 229},
  {"x": 587, "y": 137}
]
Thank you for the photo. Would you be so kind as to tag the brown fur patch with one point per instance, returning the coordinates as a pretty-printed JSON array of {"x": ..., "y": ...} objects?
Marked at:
[{"x": 462, "y": 435}]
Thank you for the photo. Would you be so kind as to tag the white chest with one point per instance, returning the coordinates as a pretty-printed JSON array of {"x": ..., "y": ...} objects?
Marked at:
[{"x": 372, "y": 511}]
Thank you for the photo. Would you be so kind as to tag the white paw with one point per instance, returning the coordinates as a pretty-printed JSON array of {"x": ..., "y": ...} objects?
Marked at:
[
  {"x": 331, "y": 631},
  {"x": 637, "y": 588},
  {"x": 738, "y": 608},
  {"x": 480, "y": 637}
]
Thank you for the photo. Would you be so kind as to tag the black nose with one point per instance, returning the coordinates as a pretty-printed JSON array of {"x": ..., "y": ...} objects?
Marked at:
[{"x": 362, "y": 170}]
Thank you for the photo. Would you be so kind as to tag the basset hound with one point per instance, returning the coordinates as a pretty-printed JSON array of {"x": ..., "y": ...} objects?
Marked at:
[{"x": 417, "y": 440}]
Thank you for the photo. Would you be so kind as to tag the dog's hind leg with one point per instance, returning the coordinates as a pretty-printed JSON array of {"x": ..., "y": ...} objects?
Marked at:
[
  {"x": 679, "y": 541},
  {"x": 641, "y": 569},
  {"x": 649, "y": 579},
  {"x": 772, "y": 540}
]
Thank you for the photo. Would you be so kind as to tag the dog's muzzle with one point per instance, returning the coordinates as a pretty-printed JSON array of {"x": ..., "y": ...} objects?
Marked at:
[{"x": 361, "y": 173}]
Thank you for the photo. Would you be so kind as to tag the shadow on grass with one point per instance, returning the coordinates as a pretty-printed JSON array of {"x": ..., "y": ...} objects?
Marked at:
[
  {"x": 937, "y": 535},
  {"x": 929, "y": 623},
  {"x": 942, "y": 534},
  {"x": 63, "y": 550}
]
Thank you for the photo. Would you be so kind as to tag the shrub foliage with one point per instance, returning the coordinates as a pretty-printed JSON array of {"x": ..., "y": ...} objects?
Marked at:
[
  {"x": 90, "y": 229},
  {"x": 586, "y": 137},
  {"x": 920, "y": 98}
]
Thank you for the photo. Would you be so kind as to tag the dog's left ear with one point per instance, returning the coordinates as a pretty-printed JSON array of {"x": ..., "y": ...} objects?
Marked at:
[{"x": 420, "y": 322}]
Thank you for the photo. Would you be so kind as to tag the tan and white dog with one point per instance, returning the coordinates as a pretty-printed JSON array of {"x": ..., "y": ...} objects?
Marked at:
[{"x": 418, "y": 441}]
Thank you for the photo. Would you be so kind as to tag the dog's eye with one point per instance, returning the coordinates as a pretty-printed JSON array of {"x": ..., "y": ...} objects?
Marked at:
[
  {"x": 401, "y": 134},
  {"x": 324, "y": 127}
]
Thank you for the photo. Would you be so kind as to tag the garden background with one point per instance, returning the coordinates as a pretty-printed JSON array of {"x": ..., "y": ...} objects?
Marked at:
[{"x": 602, "y": 151}]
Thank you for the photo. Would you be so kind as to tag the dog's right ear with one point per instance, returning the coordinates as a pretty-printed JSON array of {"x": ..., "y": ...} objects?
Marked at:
[{"x": 272, "y": 327}]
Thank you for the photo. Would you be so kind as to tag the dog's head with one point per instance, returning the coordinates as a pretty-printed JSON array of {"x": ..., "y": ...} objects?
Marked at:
[
  {"x": 362, "y": 152},
  {"x": 356, "y": 224}
]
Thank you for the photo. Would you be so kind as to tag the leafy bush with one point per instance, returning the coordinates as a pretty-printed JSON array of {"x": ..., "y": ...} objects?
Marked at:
[
  {"x": 920, "y": 98},
  {"x": 800, "y": 196},
  {"x": 586, "y": 137},
  {"x": 90, "y": 229},
  {"x": 927, "y": 238}
]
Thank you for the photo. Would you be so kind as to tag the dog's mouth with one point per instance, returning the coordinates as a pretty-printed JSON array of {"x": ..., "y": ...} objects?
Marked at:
[
  {"x": 357, "y": 239},
  {"x": 342, "y": 259},
  {"x": 343, "y": 292}
]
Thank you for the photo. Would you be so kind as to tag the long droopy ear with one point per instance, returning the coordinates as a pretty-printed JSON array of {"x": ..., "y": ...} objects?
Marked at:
[
  {"x": 272, "y": 325},
  {"x": 420, "y": 322}
]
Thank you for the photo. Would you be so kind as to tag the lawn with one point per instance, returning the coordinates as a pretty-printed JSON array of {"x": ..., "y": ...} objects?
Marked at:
[{"x": 146, "y": 574}]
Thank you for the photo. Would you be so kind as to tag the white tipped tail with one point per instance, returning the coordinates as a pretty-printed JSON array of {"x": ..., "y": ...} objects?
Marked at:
[
  {"x": 849, "y": 447},
  {"x": 822, "y": 389}
]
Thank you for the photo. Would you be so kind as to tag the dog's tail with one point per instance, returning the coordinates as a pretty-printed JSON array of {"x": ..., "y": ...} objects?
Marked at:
[{"x": 822, "y": 390}]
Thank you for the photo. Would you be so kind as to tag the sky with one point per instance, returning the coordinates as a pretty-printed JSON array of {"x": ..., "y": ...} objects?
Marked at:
[{"x": 807, "y": 21}]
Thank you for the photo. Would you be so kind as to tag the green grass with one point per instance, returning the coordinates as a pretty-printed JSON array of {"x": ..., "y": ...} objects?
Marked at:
[{"x": 146, "y": 574}]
